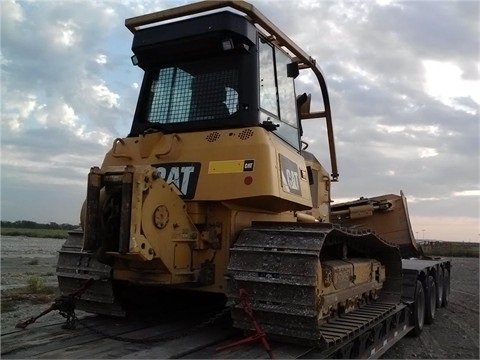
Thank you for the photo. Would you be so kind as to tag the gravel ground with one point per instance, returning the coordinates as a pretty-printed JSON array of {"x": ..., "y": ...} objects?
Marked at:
[
  {"x": 455, "y": 331},
  {"x": 21, "y": 259},
  {"x": 453, "y": 335}
]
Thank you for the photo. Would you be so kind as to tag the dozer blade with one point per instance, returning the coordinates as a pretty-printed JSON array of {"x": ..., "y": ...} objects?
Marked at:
[
  {"x": 386, "y": 215},
  {"x": 75, "y": 267}
]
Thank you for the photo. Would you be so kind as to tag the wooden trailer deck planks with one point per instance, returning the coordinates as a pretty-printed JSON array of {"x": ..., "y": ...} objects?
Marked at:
[{"x": 51, "y": 341}]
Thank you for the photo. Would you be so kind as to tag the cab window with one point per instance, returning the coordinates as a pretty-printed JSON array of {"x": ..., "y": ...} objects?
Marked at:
[{"x": 277, "y": 93}]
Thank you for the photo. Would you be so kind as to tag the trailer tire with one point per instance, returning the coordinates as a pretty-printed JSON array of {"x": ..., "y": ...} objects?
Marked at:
[
  {"x": 446, "y": 288},
  {"x": 418, "y": 315},
  {"x": 430, "y": 300},
  {"x": 439, "y": 284}
]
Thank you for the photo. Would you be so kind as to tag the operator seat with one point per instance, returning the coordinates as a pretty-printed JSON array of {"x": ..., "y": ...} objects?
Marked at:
[{"x": 208, "y": 99}]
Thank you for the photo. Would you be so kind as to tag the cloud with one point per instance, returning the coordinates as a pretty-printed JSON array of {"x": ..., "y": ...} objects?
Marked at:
[
  {"x": 67, "y": 33},
  {"x": 446, "y": 228},
  {"x": 467, "y": 193},
  {"x": 403, "y": 82},
  {"x": 17, "y": 109},
  {"x": 101, "y": 59},
  {"x": 444, "y": 82},
  {"x": 105, "y": 95},
  {"x": 12, "y": 13}
]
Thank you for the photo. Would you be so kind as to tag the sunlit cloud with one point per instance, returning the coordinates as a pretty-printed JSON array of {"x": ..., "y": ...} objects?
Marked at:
[
  {"x": 12, "y": 10},
  {"x": 467, "y": 193},
  {"x": 414, "y": 199},
  {"x": 69, "y": 117},
  {"x": 425, "y": 152},
  {"x": 390, "y": 129},
  {"x": 66, "y": 35},
  {"x": 105, "y": 95},
  {"x": 101, "y": 59},
  {"x": 17, "y": 110},
  {"x": 444, "y": 82}
]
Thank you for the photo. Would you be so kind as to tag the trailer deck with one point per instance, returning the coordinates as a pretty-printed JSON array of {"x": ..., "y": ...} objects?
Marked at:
[
  {"x": 105, "y": 337},
  {"x": 192, "y": 337}
]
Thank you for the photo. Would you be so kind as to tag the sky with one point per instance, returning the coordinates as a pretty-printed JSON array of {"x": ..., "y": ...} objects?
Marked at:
[{"x": 403, "y": 80}]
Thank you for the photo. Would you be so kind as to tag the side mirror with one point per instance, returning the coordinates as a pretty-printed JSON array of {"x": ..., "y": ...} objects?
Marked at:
[{"x": 292, "y": 70}]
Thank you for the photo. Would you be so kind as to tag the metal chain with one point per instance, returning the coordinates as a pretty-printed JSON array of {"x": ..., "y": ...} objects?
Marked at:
[
  {"x": 66, "y": 307},
  {"x": 72, "y": 320}
]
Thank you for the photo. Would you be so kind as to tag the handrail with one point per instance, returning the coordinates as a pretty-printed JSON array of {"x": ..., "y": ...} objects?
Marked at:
[{"x": 255, "y": 17}]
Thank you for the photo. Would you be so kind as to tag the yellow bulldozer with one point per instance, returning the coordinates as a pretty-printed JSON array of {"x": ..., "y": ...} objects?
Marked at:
[{"x": 213, "y": 190}]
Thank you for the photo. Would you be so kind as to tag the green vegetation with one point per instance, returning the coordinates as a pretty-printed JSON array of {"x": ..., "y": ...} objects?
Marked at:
[
  {"x": 36, "y": 285},
  {"x": 35, "y": 292},
  {"x": 33, "y": 225},
  {"x": 33, "y": 229},
  {"x": 38, "y": 233},
  {"x": 34, "y": 261},
  {"x": 451, "y": 249},
  {"x": 11, "y": 298}
]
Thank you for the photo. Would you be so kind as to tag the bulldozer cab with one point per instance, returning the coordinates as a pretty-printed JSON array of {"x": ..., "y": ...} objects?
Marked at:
[
  {"x": 205, "y": 81},
  {"x": 221, "y": 71}
]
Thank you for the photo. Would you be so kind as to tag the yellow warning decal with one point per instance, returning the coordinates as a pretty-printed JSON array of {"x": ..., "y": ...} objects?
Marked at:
[{"x": 230, "y": 166}]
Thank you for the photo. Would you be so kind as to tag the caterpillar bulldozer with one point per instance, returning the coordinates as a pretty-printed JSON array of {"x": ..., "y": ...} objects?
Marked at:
[{"x": 213, "y": 190}]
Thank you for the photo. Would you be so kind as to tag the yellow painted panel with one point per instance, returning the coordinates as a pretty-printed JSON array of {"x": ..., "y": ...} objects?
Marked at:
[
  {"x": 228, "y": 166},
  {"x": 183, "y": 256}
]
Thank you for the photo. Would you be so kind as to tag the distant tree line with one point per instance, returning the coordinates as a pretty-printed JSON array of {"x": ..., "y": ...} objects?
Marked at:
[{"x": 27, "y": 224}]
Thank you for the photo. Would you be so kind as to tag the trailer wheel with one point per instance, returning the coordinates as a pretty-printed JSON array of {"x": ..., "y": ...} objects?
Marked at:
[
  {"x": 430, "y": 300},
  {"x": 446, "y": 288},
  {"x": 439, "y": 283},
  {"x": 418, "y": 316}
]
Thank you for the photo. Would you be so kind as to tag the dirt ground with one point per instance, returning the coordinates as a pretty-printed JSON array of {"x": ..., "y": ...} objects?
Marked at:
[
  {"x": 455, "y": 331},
  {"x": 453, "y": 335},
  {"x": 23, "y": 258}
]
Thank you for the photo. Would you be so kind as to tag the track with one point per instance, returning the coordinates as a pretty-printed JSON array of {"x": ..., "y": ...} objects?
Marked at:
[
  {"x": 450, "y": 337},
  {"x": 278, "y": 264},
  {"x": 454, "y": 333}
]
